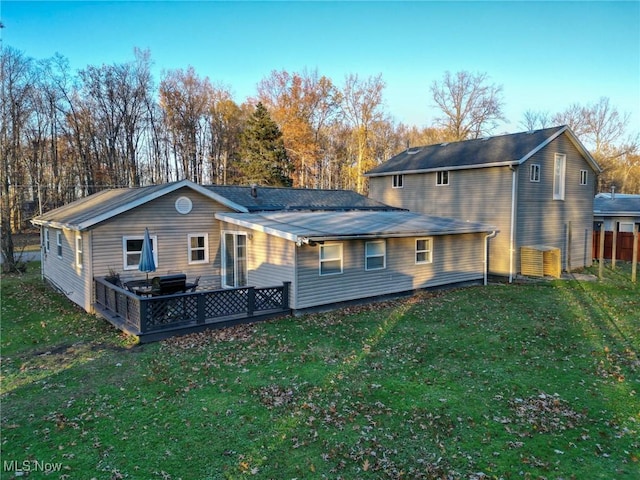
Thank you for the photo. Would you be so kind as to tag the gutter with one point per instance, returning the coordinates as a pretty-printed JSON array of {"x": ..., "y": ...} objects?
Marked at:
[
  {"x": 512, "y": 233},
  {"x": 486, "y": 253}
]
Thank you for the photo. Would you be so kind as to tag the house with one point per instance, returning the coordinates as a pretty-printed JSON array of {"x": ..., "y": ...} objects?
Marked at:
[
  {"x": 619, "y": 213},
  {"x": 617, "y": 207},
  {"x": 536, "y": 187},
  {"x": 329, "y": 246}
]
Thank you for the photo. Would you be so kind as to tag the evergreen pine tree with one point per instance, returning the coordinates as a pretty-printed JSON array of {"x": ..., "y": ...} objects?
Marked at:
[{"x": 264, "y": 158}]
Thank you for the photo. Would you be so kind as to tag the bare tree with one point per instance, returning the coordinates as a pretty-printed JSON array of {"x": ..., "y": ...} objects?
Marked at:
[
  {"x": 534, "y": 120},
  {"x": 471, "y": 106},
  {"x": 361, "y": 108}
]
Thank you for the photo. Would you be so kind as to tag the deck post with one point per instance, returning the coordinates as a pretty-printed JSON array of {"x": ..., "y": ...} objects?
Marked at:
[
  {"x": 142, "y": 323},
  {"x": 634, "y": 260},
  {"x": 251, "y": 301},
  {"x": 285, "y": 294},
  {"x": 614, "y": 245},
  {"x": 201, "y": 309},
  {"x": 601, "y": 253}
]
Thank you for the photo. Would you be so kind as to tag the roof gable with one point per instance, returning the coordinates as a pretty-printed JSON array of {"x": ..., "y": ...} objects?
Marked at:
[
  {"x": 89, "y": 211},
  {"x": 511, "y": 149}
]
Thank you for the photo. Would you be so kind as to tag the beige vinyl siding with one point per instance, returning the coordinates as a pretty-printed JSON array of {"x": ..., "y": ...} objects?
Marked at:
[
  {"x": 171, "y": 229},
  {"x": 545, "y": 221},
  {"x": 271, "y": 260},
  {"x": 456, "y": 258},
  {"x": 63, "y": 273},
  {"x": 480, "y": 195}
]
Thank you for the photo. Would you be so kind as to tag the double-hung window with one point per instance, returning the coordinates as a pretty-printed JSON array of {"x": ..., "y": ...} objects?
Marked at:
[
  {"x": 198, "y": 247},
  {"x": 331, "y": 259},
  {"x": 79, "y": 251},
  {"x": 583, "y": 177},
  {"x": 559, "y": 170},
  {"x": 442, "y": 178},
  {"x": 132, "y": 251},
  {"x": 534, "y": 173},
  {"x": 59, "y": 243},
  {"x": 397, "y": 181},
  {"x": 47, "y": 243},
  {"x": 375, "y": 255},
  {"x": 424, "y": 250}
]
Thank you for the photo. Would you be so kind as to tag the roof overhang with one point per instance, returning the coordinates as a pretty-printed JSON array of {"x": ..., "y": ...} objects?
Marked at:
[{"x": 301, "y": 228}]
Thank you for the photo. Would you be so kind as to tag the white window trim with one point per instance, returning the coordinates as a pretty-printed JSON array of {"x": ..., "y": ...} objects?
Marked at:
[
  {"x": 223, "y": 245},
  {"x": 154, "y": 239},
  {"x": 190, "y": 249},
  {"x": 383, "y": 255},
  {"x": 47, "y": 244},
  {"x": 79, "y": 251},
  {"x": 584, "y": 177},
  {"x": 559, "y": 176},
  {"x": 534, "y": 173},
  {"x": 429, "y": 251},
  {"x": 397, "y": 181},
  {"x": 340, "y": 257},
  {"x": 626, "y": 227},
  {"x": 59, "y": 244},
  {"x": 439, "y": 178}
]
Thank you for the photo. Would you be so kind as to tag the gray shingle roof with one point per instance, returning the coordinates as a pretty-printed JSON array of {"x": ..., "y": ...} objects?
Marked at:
[
  {"x": 88, "y": 211},
  {"x": 275, "y": 199},
  {"x": 498, "y": 150},
  {"x": 302, "y": 227},
  {"x": 621, "y": 205}
]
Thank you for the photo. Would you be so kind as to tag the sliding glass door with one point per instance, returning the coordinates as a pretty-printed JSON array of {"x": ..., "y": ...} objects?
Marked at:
[{"x": 234, "y": 259}]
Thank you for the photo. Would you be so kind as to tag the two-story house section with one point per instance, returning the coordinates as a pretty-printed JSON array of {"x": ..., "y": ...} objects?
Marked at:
[{"x": 536, "y": 187}]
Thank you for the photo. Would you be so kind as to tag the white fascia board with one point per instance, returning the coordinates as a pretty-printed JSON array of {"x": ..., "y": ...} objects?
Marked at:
[
  {"x": 444, "y": 169},
  {"x": 258, "y": 228},
  {"x": 542, "y": 145},
  {"x": 57, "y": 225}
]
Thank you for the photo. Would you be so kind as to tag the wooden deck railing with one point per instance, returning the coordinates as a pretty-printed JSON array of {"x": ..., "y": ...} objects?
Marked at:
[{"x": 148, "y": 315}]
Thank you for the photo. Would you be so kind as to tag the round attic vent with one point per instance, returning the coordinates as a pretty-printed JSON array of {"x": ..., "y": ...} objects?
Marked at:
[{"x": 184, "y": 205}]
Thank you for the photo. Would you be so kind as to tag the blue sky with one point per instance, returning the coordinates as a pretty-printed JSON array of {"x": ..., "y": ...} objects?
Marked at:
[{"x": 546, "y": 55}]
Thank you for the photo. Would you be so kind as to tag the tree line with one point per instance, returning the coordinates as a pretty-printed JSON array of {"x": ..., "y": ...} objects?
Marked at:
[{"x": 66, "y": 134}]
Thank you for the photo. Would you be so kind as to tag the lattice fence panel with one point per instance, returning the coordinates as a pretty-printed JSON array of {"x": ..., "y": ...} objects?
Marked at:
[
  {"x": 225, "y": 302},
  {"x": 268, "y": 298}
]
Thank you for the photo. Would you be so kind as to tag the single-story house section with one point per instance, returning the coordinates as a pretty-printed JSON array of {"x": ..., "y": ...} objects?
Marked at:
[
  {"x": 337, "y": 256},
  {"x": 617, "y": 207},
  {"x": 329, "y": 246}
]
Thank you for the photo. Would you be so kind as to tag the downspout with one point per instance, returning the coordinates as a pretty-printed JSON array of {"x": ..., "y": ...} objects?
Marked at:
[
  {"x": 513, "y": 220},
  {"x": 486, "y": 253}
]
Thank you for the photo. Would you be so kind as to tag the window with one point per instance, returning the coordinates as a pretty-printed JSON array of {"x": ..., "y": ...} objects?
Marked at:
[
  {"x": 534, "y": 173},
  {"x": 331, "y": 259},
  {"x": 59, "y": 243},
  {"x": 132, "y": 250},
  {"x": 198, "y": 246},
  {"x": 442, "y": 178},
  {"x": 79, "y": 254},
  {"x": 46, "y": 240},
  {"x": 375, "y": 255},
  {"x": 424, "y": 250},
  {"x": 397, "y": 181},
  {"x": 234, "y": 259},
  {"x": 583, "y": 177},
  {"x": 558, "y": 176}
]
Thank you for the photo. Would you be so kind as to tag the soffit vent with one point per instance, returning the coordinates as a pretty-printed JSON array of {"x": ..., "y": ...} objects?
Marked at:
[{"x": 184, "y": 205}]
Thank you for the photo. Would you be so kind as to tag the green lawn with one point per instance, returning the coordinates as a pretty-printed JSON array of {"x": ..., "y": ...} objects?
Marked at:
[{"x": 537, "y": 380}]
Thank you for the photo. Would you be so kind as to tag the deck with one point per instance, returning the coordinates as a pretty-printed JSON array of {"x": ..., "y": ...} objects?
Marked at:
[{"x": 154, "y": 318}]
